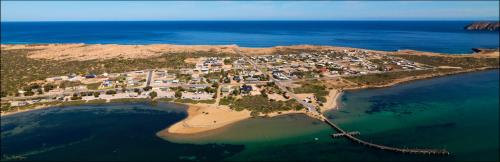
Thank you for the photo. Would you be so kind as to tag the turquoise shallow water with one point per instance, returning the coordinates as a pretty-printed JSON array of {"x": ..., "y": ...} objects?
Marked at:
[{"x": 458, "y": 113}]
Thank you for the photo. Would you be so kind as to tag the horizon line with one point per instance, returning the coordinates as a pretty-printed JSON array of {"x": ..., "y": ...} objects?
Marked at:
[{"x": 252, "y": 20}]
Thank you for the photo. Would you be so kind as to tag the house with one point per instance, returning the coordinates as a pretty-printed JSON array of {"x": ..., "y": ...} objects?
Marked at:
[
  {"x": 107, "y": 83},
  {"x": 204, "y": 70},
  {"x": 237, "y": 78},
  {"x": 53, "y": 79},
  {"x": 90, "y": 76},
  {"x": 246, "y": 88},
  {"x": 198, "y": 86},
  {"x": 251, "y": 79},
  {"x": 19, "y": 103},
  {"x": 75, "y": 78}
]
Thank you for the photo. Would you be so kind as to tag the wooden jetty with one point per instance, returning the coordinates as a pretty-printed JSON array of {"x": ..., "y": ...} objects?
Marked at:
[
  {"x": 350, "y": 136},
  {"x": 343, "y": 134}
]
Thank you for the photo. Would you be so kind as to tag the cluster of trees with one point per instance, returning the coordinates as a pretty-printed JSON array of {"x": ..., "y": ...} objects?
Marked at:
[
  {"x": 137, "y": 90},
  {"x": 153, "y": 94},
  {"x": 76, "y": 97},
  {"x": 315, "y": 87},
  {"x": 28, "y": 90},
  {"x": 260, "y": 104},
  {"x": 110, "y": 92},
  {"x": 32, "y": 88},
  {"x": 147, "y": 88},
  {"x": 178, "y": 91}
]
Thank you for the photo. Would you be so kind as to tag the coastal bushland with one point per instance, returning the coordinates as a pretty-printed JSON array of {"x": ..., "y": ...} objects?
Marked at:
[{"x": 18, "y": 70}]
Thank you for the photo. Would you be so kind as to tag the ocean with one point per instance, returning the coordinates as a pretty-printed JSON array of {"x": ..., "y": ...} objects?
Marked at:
[
  {"x": 434, "y": 36},
  {"x": 459, "y": 113}
]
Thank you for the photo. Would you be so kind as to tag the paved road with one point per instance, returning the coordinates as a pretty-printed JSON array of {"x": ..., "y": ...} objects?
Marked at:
[{"x": 148, "y": 81}]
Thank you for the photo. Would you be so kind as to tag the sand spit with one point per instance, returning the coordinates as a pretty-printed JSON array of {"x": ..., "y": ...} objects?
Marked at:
[{"x": 205, "y": 117}]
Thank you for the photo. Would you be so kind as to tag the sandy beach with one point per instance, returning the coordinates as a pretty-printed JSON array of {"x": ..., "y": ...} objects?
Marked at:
[
  {"x": 26, "y": 110},
  {"x": 205, "y": 117},
  {"x": 208, "y": 117},
  {"x": 332, "y": 100}
]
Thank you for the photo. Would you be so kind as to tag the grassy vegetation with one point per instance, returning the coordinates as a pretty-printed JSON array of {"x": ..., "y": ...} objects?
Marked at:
[
  {"x": 129, "y": 100},
  {"x": 265, "y": 105},
  {"x": 164, "y": 99},
  {"x": 17, "y": 70},
  {"x": 386, "y": 78},
  {"x": 93, "y": 86},
  {"x": 96, "y": 101},
  {"x": 464, "y": 62},
  {"x": 315, "y": 87},
  {"x": 191, "y": 101},
  {"x": 7, "y": 108},
  {"x": 226, "y": 101},
  {"x": 73, "y": 103}
]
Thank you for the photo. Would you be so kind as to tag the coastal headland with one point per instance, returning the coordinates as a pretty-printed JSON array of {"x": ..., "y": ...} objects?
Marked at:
[{"x": 220, "y": 84}]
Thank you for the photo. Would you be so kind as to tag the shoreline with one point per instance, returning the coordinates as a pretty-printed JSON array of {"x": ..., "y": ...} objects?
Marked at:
[
  {"x": 336, "y": 96},
  {"x": 208, "y": 117},
  {"x": 422, "y": 77}
]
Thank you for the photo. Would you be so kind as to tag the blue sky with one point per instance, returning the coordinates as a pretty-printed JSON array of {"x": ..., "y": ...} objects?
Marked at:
[{"x": 248, "y": 10}]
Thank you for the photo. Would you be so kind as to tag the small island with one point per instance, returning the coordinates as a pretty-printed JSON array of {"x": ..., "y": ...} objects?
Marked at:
[
  {"x": 484, "y": 26},
  {"x": 220, "y": 85}
]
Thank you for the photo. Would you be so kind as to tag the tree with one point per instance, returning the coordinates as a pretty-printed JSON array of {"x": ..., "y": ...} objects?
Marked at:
[
  {"x": 215, "y": 85},
  {"x": 178, "y": 94},
  {"x": 153, "y": 94},
  {"x": 110, "y": 92},
  {"x": 137, "y": 90},
  {"x": 209, "y": 90},
  {"x": 3, "y": 94},
  {"x": 40, "y": 91},
  {"x": 236, "y": 92},
  {"x": 75, "y": 97},
  {"x": 48, "y": 87},
  {"x": 147, "y": 88},
  {"x": 96, "y": 94},
  {"x": 227, "y": 61},
  {"x": 254, "y": 113},
  {"x": 263, "y": 93},
  {"x": 29, "y": 93}
]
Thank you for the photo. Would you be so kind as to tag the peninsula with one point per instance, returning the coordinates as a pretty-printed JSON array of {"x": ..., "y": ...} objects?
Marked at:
[{"x": 219, "y": 84}]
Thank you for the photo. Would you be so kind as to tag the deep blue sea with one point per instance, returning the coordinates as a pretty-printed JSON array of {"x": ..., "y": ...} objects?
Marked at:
[{"x": 434, "y": 36}]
